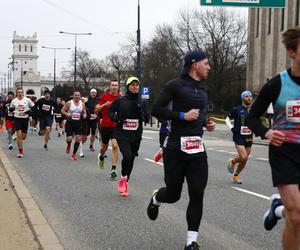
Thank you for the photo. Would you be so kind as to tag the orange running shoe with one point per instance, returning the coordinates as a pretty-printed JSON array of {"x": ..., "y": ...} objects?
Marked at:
[{"x": 236, "y": 179}]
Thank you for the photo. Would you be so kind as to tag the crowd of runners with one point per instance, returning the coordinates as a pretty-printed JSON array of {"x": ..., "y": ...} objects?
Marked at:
[{"x": 181, "y": 107}]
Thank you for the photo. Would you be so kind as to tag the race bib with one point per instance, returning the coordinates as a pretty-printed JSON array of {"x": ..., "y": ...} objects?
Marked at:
[
  {"x": 46, "y": 107},
  {"x": 245, "y": 130},
  {"x": 76, "y": 116},
  {"x": 93, "y": 117},
  {"x": 21, "y": 108},
  {"x": 192, "y": 144},
  {"x": 58, "y": 115},
  {"x": 10, "y": 113},
  {"x": 131, "y": 124},
  {"x": 293, "y": 111}
]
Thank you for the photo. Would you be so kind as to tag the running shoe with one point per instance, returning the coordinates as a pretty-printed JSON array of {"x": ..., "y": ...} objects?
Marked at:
[
  {"x": 14, "y": 136},
  {"x": 270, "y": 218},
  {"x": 113, "y": 174},
  {"x": 236, "y": 179},
  {"x": 10, "y": 146},
  {"x": 20, "y": 155},
  {"x": 59, "y": 134},
  {"x": 157, "y": 156},
  {"x": 122, "y": 185},
  {"x": 74, "y": 157},
  {"x": 68, "y": 148},
  {"x": 100, "y": 162},
  {"x": 45, "y": 147},
  {"x": 92, "y": 148},
  {"x": 193, "y": 246},
  {"x": 34, "y": 129},
  {"x": 152, "y": 209},
  {"x": 125, "y": 193},
  {"x": 230, "y": 166},
  {"x": 81, "y": 155}
]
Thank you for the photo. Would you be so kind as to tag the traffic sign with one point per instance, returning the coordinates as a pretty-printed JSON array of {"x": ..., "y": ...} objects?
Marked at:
[
  {"x": 245, "y": 3},
  {"x": 145, "y": 92}
]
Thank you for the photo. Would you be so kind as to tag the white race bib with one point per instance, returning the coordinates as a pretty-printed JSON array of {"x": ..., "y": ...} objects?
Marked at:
[
  {"x": 58, "y": 115},
  {"x": 46, "y": 107},
  {"x": 192, "y": 144},
  {"x": 76, "y": 116},
  {"x": 93, "y": 117},
  {"x": 131, "y": 124},
  {"x": 293, "y": 111},
  {"x": 245, "y": 130}
]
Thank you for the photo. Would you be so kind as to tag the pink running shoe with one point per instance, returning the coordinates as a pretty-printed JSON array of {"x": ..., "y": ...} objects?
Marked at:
[
  {"x": 20, "y": 155},
  {"x": 125, "y": 193},
  {"x": 122, "y": 184}
]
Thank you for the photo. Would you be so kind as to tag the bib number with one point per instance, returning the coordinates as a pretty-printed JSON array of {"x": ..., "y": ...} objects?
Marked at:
[
  {"x": 131, "y": 124},
  {"x": 245, "y": 130},
  {"x": 293, "y": 111},
  {"x": 46, "y": 107},
  {"x": 93, "y": 117},
  {"x": 192, "y": 145},
  {"x": 58, "y": 115},
  {"x": 75, "y": 116},
  {"x": 21, "y": 109}
]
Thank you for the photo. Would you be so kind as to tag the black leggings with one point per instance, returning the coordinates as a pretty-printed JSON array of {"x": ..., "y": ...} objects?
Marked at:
[
  {"x": 178, "y": 165},
  {"x": 129, "y": 151}
]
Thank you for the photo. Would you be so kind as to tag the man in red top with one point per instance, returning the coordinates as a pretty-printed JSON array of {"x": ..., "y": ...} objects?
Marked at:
[{"x": 108, "y": 127}]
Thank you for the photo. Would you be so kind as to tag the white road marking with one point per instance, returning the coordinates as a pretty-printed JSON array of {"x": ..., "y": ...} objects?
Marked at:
[
  {"x": 252, "y": 193},
  {"x": 262, "y": 159},
  {"x": 159, "y": 163},
  {"x": 221, "y": 151},
  {"x": 146, "y": 137}
]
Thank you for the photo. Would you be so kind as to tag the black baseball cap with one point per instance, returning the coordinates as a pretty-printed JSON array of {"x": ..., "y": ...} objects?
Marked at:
[{"x": 190, "y": 58}]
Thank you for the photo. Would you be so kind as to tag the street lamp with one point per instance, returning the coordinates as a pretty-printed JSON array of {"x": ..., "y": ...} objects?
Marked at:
[
  {"x": 54, "y": 65},
  {"x": 75, "y": 56}
]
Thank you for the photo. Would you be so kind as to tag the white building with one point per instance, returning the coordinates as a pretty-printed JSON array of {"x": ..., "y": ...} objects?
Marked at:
[{"x": 25, "y": 60}]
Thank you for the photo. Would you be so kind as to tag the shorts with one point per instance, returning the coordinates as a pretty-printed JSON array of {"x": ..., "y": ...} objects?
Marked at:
[
  {"x": 243, "y": 141},
  {"x": 21, "y": 124},
  {"x": 107, "y": 134},
  {"x": 73, "y": 128},
  {"x": 45, "y": 122},
  {"x": 92, "y": 126},
  {"x": 285, "y": 164},
  {"x": 162, "y": 138},
  {"x": 9, "y": 124},
  {"x": 59, "y": 120}
]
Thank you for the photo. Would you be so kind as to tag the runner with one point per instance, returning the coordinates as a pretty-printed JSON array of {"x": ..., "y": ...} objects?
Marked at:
[
  {"x": 21, "y": 106},
  {"x": 33, "y": 117},
  {"x": 183, "y": 101},
  {"x": 2, "y": 113},
  {"x": 44, "y": 107},
  {"x": 84, "y": 128},
  {"x": 163, "y": 133},
  {"x": 74, "y": 110},
  {"x": 92, "y": 119},
  {"x": 242, "y": 136},
  {"x": 108, "y": 127},
  {"x": 59, "y": 118},
  {"x": 9, "y": 119},
  {"x": 129, "y": 112},
  {"x": 283, "y": 91}
]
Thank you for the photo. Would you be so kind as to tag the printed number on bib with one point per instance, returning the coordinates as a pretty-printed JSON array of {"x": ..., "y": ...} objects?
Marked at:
[
  {"x": 293, "y": 111},
  {"x": 58, "y": 115},
  {"x": 192, "y": 145},
  {"x": 245, "y": 130},
  {"x": 21, "y": 109},
  {"x": 93, "y": 117},
  {"x": 131, "y": 124},
  {"x": 46, "y": 107},
  {"x": 75, "y": 116}
]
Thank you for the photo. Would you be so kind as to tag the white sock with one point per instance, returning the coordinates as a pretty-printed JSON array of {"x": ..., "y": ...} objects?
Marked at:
[
  {"x": 81, "y": 148},
  {"x": 155, "y": 202},
  {"x": 191, "y": 236},
  {"x": 279, "y": 211}
]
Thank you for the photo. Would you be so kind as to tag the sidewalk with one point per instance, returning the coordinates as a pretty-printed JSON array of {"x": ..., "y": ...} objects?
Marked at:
[{"x": 15, "y": 232}]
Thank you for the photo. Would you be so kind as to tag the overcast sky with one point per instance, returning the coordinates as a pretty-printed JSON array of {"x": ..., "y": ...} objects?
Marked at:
[{"x": 110, "y": 21}]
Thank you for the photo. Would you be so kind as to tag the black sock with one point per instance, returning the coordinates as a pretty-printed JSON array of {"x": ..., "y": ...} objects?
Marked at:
[
  {"x": 113, "y": 168},
  {"x": 101, "y": 158},
  {"x": 76, "y": 146}
]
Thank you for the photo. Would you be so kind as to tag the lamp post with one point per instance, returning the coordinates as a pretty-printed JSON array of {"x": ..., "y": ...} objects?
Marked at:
[
  {"x": 54, "y": 67},
  {"x": 138, "y": 40},
  {"x": 75, "y": 53}
]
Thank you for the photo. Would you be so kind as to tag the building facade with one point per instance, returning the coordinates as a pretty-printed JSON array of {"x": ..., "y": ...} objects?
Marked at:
[{"x": 266, "y": 53}]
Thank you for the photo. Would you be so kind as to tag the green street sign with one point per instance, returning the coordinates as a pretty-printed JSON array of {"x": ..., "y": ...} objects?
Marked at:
[{"x": 245, "y": 3}]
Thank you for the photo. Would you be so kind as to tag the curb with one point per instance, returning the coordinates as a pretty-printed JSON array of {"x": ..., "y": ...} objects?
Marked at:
[{"x": 42, "y": 231}]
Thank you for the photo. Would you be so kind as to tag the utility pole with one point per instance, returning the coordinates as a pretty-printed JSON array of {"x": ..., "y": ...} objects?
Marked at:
[{"x": 138, "y": 40}]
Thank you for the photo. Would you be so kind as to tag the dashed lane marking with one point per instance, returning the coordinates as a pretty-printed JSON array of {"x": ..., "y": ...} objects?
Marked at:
[
  {"x": 147, "y": 137},
  {"x": 251, "y": 193}
]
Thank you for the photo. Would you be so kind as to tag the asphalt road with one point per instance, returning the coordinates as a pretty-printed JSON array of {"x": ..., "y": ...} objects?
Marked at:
[{"x": 85, "y": 210}]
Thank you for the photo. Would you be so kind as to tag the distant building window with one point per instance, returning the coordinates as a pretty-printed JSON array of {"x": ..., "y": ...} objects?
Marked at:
[
  {"x": 20, "y": 47},
  {"x": 257, "y": 22},
  {"x": 282, "y": 20},
  {"x": 270, "y": 21},
  {"x": 297, "y": 13},
  {"x": 31, "y": 48},
  {"x": 25, "y": 48}
]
